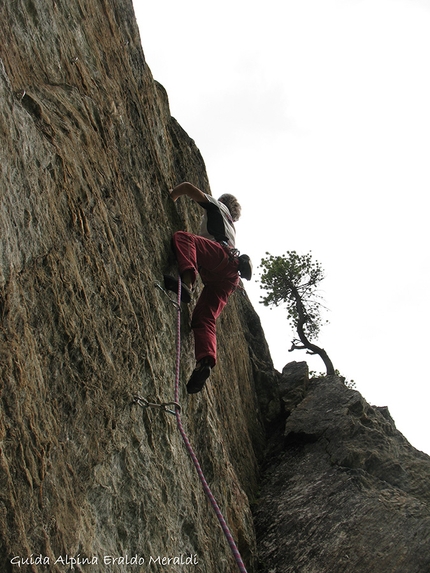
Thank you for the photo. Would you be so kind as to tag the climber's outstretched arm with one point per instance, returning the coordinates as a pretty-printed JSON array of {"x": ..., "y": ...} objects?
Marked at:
[{"x": 190, "y": 190}]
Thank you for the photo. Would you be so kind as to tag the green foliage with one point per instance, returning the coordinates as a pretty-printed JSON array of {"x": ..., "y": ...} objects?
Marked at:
[
  {"x": 348, "y": 383},
  {"x": 289, "y": 278}
]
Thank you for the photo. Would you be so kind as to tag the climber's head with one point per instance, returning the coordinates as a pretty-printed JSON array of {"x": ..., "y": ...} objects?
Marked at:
[{"x": 232, "y": 205}]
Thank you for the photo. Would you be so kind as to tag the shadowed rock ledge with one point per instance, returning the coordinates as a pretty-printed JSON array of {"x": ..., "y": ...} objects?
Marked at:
[{"x": 88, "y": 152}]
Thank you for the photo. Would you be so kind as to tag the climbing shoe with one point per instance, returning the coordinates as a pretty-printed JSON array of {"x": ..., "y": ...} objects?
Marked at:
[
  {"x": 171, "y": 283},
  {"x": 199, "y": 376}
]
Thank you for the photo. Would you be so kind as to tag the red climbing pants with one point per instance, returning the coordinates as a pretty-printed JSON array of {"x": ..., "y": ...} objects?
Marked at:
[{"x": 220, "y": 277}]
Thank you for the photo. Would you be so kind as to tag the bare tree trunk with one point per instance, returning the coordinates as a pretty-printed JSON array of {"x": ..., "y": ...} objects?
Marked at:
[{"x": 313, "y": 348}]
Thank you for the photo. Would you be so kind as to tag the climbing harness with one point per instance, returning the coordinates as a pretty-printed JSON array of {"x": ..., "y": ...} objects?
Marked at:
[
  {"x": 193, "y": 456},
  {"x": 245, "y": 263},
  {"x": 144, "y": 403}
]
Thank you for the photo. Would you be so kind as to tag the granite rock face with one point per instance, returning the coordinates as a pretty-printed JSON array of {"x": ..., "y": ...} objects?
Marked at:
[
  {"x": 89, "y": 481},
  {"x": 88, "y": 152}
]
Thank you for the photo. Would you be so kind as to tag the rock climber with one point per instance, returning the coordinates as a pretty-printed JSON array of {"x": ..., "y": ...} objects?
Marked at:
[{"x": 212, "y": 254}]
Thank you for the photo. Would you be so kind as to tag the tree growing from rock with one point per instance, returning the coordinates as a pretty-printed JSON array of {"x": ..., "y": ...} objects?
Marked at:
[{"x": 293, "y": 279}]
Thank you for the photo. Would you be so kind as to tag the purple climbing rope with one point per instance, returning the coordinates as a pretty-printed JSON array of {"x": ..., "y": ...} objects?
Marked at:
[{"x": 193, "y": 456}]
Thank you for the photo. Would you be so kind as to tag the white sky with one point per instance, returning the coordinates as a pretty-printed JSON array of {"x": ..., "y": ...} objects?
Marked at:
[{"x": 316, "y": 115}]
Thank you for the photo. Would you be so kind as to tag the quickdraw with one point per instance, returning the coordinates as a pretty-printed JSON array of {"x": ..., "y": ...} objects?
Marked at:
[{"x": 144, "y": 403}]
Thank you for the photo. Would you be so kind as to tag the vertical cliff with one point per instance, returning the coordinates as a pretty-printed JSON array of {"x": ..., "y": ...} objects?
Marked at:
[
  {"x": 90, "y": 481},
  {"x": 88, "y": 153}
]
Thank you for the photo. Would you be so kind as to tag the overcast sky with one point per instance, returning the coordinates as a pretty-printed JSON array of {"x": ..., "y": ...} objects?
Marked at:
[{"x": 316, "y": 115}]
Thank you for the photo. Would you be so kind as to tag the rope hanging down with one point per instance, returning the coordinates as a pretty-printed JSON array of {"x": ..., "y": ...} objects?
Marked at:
[{"x": 193, "y": 456}]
